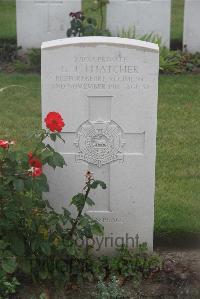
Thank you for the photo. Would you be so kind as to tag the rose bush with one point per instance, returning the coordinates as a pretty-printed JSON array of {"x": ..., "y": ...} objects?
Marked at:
[
  {"x": 35, "y": 240},
  {"x": 40, "y": 244}
]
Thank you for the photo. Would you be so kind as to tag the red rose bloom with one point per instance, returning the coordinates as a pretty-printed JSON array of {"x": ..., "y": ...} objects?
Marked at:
[
  {"x": 36, "y": 165},
  {"x": 36, "y": 171},
  {"x": 54, "y": 122},
  {"x": 33, "y": 161},
  {"x": 4, "y": 143}
]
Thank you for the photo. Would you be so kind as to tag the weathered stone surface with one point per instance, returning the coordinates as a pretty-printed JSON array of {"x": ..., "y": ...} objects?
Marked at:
[
  {"x": 43, "y": 20},
  {"x": 106, "y": 90},
  {"x": 146, "y": 16},
  {"x": 191, "y": 34}
]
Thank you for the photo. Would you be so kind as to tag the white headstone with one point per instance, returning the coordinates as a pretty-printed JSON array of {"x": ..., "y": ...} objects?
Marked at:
[
  {"x": 191, "y": 35},
  {"x": 106, "y": 90},
  {"x": 43, "y": 20},
  {"x": 146, "y": 16}
]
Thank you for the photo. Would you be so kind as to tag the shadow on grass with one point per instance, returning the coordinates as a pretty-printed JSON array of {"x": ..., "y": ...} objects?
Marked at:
[{"x": 183, "y": 240}]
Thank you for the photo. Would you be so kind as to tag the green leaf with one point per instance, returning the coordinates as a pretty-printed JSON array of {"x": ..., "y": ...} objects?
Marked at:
[
  {"x": 58, "y": 160},
  {"x": 19, "y": 185},
  {"x": 43, "y": 275},
  {"x": 46, "y": 154},
  {"x": 3, "y": 244},
  {"x": 78, "y": 200},
  {"x": 69, "y": 32},
  {"x": 17, "y": 246},
  {"x": 35, "y": 244},
  {"x": 25, "y": 265},
  {"x": 53, "y": 137},
  {"x": 28, "y": 183},
  {"x": 84, "y": 221},
  {"x": 87, "y": 229},
  {"x": 97, "y": 229},
  {"x": 12, "y": 156},
  {"x": 39, "y": 184},
  {"x": 9, "y": 264},
  {"x": 45, "y": 247},
  {"x": 66, "y": 213},
  {"x": 85, "y": 225},
  {"x": 60, "y": 137},
  {"x": 70, "y": 247},
  {"x": 90, "y": 202},
  {"x": 97, "y": 183},
  {"x": 51, "y": 163},
  {"x": 44, "y": 184}
]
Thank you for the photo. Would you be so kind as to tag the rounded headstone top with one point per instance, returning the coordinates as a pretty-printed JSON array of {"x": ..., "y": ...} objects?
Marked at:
[{"x": 90, "y": 40}]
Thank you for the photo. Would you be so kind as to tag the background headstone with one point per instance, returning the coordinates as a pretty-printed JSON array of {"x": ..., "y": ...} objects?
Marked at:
[
  {"x": 191, "y": 35},
  {"x": 43, "y": 20},
  {"x": 106, "y": 90},
  {"x": 146, "y": 15}
]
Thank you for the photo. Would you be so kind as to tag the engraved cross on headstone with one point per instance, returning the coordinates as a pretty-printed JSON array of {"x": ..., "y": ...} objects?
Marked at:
[
  {"x": 48, "y": 3},
  {"x": 101, "y": 141}
]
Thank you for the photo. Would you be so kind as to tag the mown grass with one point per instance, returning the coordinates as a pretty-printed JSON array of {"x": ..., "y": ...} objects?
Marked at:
[
  {"x": 8, "y": 19},
  {"x": 178, "y": 158},
  {"x": 19, "y": 107},
  {"x": 177, "y": 204},
  {"x": 177, "y": 16}
]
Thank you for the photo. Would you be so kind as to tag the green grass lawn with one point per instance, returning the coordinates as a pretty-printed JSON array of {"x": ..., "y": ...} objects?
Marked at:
[
  {"x": 178, "y": 158},
  {"x": 8, "y": 19},
  {"x": 177, "y": 23},
  {"x": 19, "y": 106},
  {"x": 178, "y": 142}
]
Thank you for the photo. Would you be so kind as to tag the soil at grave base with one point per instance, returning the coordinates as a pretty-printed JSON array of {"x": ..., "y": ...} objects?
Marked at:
[{"x": 179, "y": 278}]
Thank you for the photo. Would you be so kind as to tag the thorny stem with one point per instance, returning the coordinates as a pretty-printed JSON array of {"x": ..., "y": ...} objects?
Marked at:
[
  {"x": 88, "y": 188},
  {"x": 42, "y": 138}
]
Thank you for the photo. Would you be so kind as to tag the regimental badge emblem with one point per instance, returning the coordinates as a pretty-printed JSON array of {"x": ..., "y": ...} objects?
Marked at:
[{"x": 99, "y": 142}]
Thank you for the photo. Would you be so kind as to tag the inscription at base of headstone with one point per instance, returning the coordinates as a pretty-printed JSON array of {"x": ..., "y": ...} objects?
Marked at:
[
  {"x": 42, "y": 20},
  {"x": 106, "y": 90},
  {"x": 142, "y": 16}
]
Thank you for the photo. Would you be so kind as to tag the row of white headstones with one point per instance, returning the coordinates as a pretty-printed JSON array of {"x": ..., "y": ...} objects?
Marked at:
[{"x": 43, "y": 20}]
